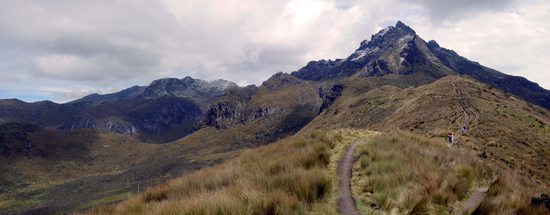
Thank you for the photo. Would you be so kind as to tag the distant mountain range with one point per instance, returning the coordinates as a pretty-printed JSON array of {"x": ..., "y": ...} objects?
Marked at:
[
  {"x": 172, "y": 108},
  {"x": 150, "y": 112},
  {"x": 393, "y": 80},
  {"x": 399, "y": 50}
]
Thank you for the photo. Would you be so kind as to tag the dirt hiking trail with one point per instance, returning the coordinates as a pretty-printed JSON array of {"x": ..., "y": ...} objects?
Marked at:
[{"x": 346, "y": 203}]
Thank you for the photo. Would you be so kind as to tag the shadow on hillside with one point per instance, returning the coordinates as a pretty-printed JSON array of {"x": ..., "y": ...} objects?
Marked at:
[{"x": 59, "y": 145}]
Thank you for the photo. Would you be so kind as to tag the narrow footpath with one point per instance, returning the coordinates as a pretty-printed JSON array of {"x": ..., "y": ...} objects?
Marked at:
[{"x": 346, "y": 203}]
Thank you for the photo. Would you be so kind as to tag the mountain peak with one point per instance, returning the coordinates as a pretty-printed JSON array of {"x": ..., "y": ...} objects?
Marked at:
[
  {"x": 187, "y": 87},
  {"x": 433, "y": 44},
  {"x": 402, "y": 25},
  {"x": 279, "y": 80},
  {"x": 391, "y": 43}
]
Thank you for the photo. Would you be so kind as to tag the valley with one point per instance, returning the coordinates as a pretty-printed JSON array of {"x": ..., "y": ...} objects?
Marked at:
[{"x": 189, "y": 146}]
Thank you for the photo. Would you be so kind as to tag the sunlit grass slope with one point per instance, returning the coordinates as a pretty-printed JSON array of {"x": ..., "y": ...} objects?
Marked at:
[
  {"x": 295, "y": 175},
  {"x": 402, "y": 173}
]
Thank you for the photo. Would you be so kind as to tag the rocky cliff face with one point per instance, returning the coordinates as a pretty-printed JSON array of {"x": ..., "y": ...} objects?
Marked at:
[
  {"x": 161, "y": 115},
  {"x": 111, "y": 124},
  {"x": 168, "y": 108},
  {"x": 282, "y": 105},
  {"x": 188, "y": 88},
  {"x": 143, "y": 117},
  {"x": 231, "y": 109},
  {"x": 399, "y": 50},
  {"x": 330, "y": 97}
]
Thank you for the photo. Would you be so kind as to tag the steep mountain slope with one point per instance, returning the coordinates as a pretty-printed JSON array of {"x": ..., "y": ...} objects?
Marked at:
[
  {"x": 165, "y": 110},
  {"x": 281, "y": 106},
  {"x": 509, "y": 132},
  {"x": 394, "y": 50},
  {"x": 399, "y": 50},
  {"x": 395, "y": 81},
  {"x": 104, "y": 161},
  {"x": 510, "y": 158},
  {"x": 125, "y": 94},
  {"x": 515, "y": 85}
]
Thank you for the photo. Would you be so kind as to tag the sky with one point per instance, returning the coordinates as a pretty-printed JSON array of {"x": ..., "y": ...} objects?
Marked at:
[{"x": 61, "y": 50}]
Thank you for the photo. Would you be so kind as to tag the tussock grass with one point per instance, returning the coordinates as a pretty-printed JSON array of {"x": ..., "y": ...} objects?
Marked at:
[
  {"x": 408, "y": 174},
  {"x": 293, "y": 176},
  {"x": 510, "y": 194},
  {"x": 405, "y": 173}
]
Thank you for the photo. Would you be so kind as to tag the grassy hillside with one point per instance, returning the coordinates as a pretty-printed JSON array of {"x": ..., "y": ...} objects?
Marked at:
[
  {"x": 59, "y": 159},
  {"x": 396, "y": 172},
  {"x": 508, "y": 132},
  {"x": 110, "y": 167},
  {"x": 106, "y": 167},
  {"x": 506, "y": 146},
  {"x": 280, "y": 107},
  {"x": 409, "y": 174},
  {"x": 295, "y": 175}
]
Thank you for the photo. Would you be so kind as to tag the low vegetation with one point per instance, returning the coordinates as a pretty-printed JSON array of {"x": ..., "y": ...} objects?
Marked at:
[
  {"x": 408, "y": 174},
  {"x": 510, "y": 194},
  {"x": 295, "y": 175}
]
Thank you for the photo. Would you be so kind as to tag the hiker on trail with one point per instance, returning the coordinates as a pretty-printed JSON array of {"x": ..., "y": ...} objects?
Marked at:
[
  {"x": 451, "y": 137},
  {"x": 464, "y": 128}
]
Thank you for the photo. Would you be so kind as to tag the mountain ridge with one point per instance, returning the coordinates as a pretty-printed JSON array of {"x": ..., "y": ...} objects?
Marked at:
[
  {"x": 378, "y": 57},
  {"x": 396, "y": 80}
]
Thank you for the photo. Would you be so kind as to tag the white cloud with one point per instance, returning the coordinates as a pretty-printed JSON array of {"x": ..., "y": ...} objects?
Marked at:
[
  {"x": 85, "y": 46},
  {"x": 513, "y": 41}
]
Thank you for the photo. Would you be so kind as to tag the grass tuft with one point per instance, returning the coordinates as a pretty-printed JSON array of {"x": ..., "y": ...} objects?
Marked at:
[{"x": 295, "y": 175}]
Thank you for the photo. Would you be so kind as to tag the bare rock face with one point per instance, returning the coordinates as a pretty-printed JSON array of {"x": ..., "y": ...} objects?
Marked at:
[
  {"x": 231, "y": 109},
  {"x": 188, "y": 88},
  {"x": 377, "y": 57},
  {"x": 168, "y": 108},
  {"x": 280, "y": 80},
  {"x": 281, "y": 106},
  {"x": 330, "y": 97},
  {"x": 399, "y": 50},
  {"x": 108, "y": 124},
  {"x": 179, "y": 106},
  {"x": 224, "y": 114}
]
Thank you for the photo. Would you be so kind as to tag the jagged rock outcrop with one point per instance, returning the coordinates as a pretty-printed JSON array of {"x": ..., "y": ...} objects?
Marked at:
[
  {"x": 168, "y": 108},
  {"x": 164, "y": 114},
  {"x": 281, "y": 106},
  {"x": 108, "y": 124},
  {"x": 280, "y": 80},
  {"x": 330, "y": 97},
  {"x": 180, "y": 106},
  {"x": 188, "y": 88},
  {"x": 236, "y": 106},
  {"x": 230, "y": 110},
  {"x": 399, "y": 50}
]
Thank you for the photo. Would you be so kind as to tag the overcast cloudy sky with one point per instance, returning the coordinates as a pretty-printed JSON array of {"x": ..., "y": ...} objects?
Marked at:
[{"x": 64, "y": 49}]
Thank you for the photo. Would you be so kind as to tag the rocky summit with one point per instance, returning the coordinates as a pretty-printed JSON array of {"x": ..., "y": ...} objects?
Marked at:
[
  {"x": 97, "y": 151},
  {"x": 399, "y": 50}
]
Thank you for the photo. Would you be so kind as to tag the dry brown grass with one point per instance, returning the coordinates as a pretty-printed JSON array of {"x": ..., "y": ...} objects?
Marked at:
[
  {"x": 292, "y": 176},
  {"x": 510, "y": 194},
  {"x": 409, "y": 174}
]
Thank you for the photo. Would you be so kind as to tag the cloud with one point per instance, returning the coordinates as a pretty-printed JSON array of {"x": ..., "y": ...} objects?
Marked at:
[
  {"x": 452, "y": 10},
  {"x": 72, "y": 47}
]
